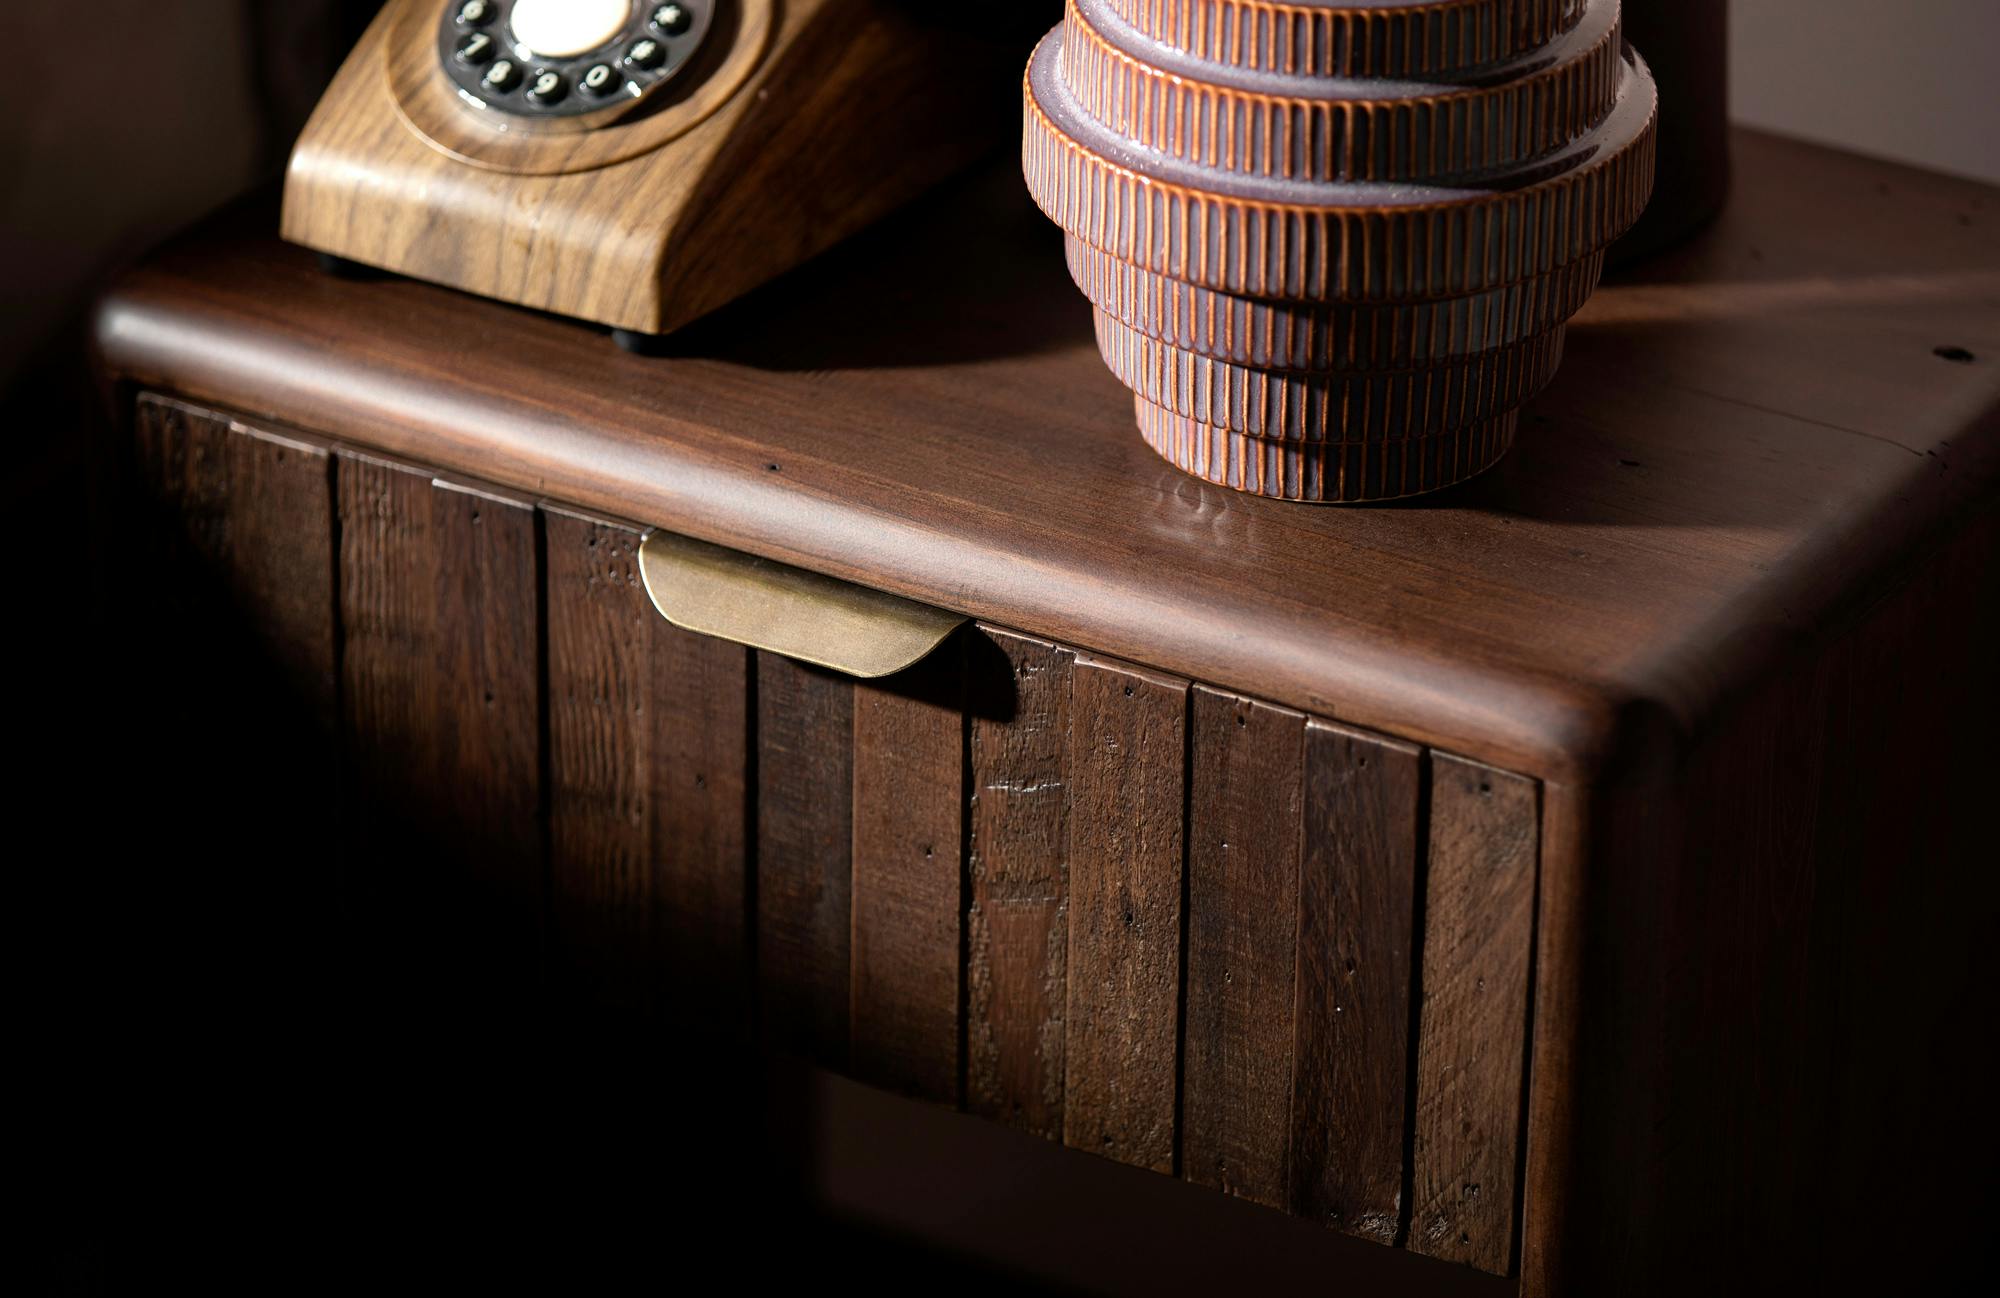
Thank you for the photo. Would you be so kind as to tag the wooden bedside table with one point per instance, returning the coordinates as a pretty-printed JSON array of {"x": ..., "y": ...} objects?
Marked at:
[{"x": 1573, "y": 875}]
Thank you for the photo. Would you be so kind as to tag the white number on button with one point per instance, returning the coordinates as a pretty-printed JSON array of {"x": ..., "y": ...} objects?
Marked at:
[
  {"x": 546, "y": 83},
  {"x": 474, "y": 11},
  {"x": 597, "y": 78},
  {"x": 477, "y": 45}
]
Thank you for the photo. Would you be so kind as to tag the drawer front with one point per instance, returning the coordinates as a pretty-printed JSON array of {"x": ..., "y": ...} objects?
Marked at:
[{"x": 1178, "y": 927}]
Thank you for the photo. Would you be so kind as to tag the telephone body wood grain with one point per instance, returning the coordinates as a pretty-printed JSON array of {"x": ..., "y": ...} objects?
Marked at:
[{"x": 656, "y": 219}]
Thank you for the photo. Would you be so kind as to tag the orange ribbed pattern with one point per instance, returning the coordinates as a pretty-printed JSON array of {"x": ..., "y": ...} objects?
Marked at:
[{"x": 1333, "y": 246}]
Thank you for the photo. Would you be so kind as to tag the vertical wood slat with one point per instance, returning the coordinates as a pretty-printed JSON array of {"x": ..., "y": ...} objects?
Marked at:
[
  {"x": 257, "y": 511},
  {"x": 805, "y": 752},
  {"x": 700, "y": 790},
  {"x": 909, "y": 808},
  {"x": 439, "y": 603},
  {"x": 601, "y": 889},
  {"x": 1016, "y": 943},
  {"x": 1473, "y": 1026},
  {"x": 1357, "y": 895},
  {"x": 1127, "y": 782},
  {"x": 1244, "y": 823},
  {"x": 648, "y": 769}
]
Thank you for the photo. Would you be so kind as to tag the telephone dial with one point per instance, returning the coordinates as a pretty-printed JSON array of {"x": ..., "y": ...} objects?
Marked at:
[
  {"x": 638, "y": 163},
  {"x": 566, "y": 58}
]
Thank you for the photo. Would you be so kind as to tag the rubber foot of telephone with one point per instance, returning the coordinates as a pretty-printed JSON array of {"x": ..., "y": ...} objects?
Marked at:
[
  {"x": 342, "y": 268},
  {"x": 640, "y": 344}
]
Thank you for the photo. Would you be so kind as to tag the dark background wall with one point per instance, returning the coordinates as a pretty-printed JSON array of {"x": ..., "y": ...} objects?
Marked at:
[{"x": 121, "y": 120}]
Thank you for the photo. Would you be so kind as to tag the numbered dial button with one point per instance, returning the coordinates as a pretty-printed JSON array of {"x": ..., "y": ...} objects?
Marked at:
[
  {"x": 646, "y": 54},
  {"x": 502, "y": 77},
  {"x": 476, "y": 48},
  {"x": 547, "y": 88},
  {"x": 586, "y": 59}
]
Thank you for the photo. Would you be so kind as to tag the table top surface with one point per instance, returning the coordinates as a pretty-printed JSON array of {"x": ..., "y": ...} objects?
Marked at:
[{"x": 1750, "y": 433}]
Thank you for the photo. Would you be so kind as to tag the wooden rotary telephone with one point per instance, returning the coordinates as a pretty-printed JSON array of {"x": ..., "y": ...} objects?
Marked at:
[{"x": 637, "y": 164}]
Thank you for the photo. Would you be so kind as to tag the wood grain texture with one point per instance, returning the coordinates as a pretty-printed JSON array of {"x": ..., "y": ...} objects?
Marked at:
[
  {"x": 908, "y": 905},
  {"x": 789, "y": 138},
  {"x": 647, "y": 800},
  {"x": 441, "y": 685},
  {"x": 257, "y": 513},
  {"x": 805, "y": 764},
  {"x": 1017, "y": 875},
  {"x": 1357, "y": 897},
  {"x": 1472, "y": 1039},
  {"x": 1690, "y": 470},
  {"x": 702, "y": 790},
  {"x": 1127, "y": 799},
  {"x": 1244, "y": 810},
  {"x": 1753, "y": 973},
  {"x": 602, "y": 891}
]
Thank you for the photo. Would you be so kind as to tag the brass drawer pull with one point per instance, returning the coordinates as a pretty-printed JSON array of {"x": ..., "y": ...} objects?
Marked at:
[{"x": 803, "y": 615}]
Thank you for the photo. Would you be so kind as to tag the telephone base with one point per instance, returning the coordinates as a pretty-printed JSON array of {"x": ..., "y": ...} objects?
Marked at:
[
  {"x": 802, "y": 122},
  {"x": 639, "y": 343},
  {"x": 346, "y": 267}
]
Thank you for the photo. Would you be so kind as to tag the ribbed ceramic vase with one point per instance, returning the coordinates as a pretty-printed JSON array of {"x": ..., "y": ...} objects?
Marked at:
[{"x": 1332, "y": 245}]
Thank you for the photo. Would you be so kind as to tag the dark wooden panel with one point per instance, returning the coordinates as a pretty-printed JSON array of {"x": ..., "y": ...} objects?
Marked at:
[
  {"x": 441, "y": 691},
  {"x": 1357, "y": 894},
  {"x": 602, "y": 889},
  {"x": 805, "y": 752},
  {"x": 257, "y": 513},
  {"x": 701, "y": 795},
  {"x": 1016, "y": 943},
  {"x": 647, "y": 765},
  {"x": 909, "y": 821},
  {"x": 1479, "y": 912},
  {"x": 1127, "y": 801},
  {"x": 1243, "y": 896}
]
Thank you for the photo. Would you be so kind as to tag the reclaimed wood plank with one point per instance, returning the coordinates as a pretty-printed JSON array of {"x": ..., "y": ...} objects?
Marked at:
[
  {"x": 908, "y": 916},
  {"x": 1244, "y": 817},
  {"x": 1017, "y": 873},
  {"x": 441, "y": 691},
  {"x": 1473, "y": 1026},
  {"x": 648, "y": 771},
  {"x": 1357, "y": 898},
  {"x": 804, "y": 888},
  {"x": 1128, "y": 773}
]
